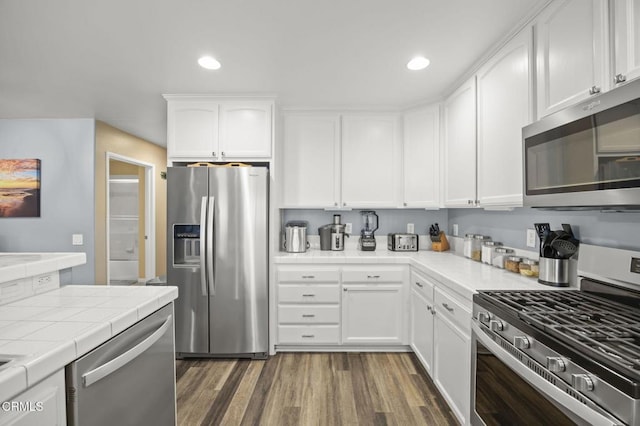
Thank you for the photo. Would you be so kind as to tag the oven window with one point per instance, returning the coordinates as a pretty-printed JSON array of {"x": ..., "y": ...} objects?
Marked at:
[{"x": 503, "y": 398}]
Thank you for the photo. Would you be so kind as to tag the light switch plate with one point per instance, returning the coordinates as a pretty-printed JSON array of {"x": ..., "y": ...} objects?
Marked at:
[
  {"x": 531, "y": 237},
  {"x": 77, "y": 239},
  {"x": 455, "y": 229},
  {"x": 348, "y": 228},
  {"x": 411, "y": 228}
]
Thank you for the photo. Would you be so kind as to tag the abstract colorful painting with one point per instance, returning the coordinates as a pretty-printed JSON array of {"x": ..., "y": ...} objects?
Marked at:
[{"x": 20, "y": 188}]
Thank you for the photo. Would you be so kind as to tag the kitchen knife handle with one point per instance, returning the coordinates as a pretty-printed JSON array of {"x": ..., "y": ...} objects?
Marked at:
[{"x": 211, "y": 246}]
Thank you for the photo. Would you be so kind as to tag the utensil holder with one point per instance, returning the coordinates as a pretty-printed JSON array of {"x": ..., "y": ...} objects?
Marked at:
[
  {"x": 554, "y": 272},
  {"x": 442, "y": 245}
]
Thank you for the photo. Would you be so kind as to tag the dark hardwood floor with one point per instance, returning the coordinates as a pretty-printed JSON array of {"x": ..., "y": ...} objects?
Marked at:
[{"x": 310, "y": 389}]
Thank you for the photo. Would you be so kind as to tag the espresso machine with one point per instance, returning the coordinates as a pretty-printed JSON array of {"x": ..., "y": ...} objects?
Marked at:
[{"x": 367, "y": 240}]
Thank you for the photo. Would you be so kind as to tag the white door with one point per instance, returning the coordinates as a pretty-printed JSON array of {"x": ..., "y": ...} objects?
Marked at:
[
  {"x": 369, "y": 161},
  {"x": 626, "y": 39},
  {"x": 452, "y": 366},
  {"x": 504, "y": 100},
  {"x": 460, "y": 146},
  {"x": 571, "y": 53},
  {"x": 421, "y": 152},
  {"x": 245, "y": 129},
  {"x": 372, "y": 314},
  {"x": 422, "y": 330},
  {"x": 311, "y": 157},
  {"x": 192, "y": 129}
]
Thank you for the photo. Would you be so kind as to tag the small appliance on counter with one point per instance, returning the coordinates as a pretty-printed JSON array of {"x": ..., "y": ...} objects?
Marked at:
[
  {"x": 556, "y": 247},
  {"x": 367, "y": 241},
  {"x": 295, "y": 236},
  {"x": 402, "y": 242},
  {"x": 332, "y": 235}
]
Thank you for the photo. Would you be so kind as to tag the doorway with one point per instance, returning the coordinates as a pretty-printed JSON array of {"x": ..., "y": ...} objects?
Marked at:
[{"x": 130, "y": 226}]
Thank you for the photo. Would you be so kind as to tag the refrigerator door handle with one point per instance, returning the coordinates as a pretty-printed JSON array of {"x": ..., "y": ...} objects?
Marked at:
[
  {"x": 203, "y": 256},
  {"x": 211, "y": 246}
]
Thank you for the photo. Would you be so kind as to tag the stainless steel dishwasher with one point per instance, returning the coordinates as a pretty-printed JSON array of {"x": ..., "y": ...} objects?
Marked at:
[{"x": 128, "y": 380}]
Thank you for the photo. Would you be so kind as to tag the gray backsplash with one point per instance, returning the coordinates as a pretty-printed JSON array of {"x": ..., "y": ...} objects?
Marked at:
[{"x": 617, "y": 230}]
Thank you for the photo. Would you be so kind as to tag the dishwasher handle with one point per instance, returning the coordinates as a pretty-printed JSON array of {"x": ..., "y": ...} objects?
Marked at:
[{"x": 105, "y": 369}]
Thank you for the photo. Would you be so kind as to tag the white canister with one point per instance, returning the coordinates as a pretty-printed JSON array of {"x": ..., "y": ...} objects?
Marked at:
[{"x": 487, "y": 250}]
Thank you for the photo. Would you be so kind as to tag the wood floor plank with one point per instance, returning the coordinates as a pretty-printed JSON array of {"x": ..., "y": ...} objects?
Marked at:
[
  {"x": 238, "y": 405},
  {"x": 261, "y": 392},
  {"x": 221, "y": 403}
]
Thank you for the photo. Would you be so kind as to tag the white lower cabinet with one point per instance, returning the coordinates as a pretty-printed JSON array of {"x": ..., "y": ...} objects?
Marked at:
[
  {"x": 422, "y": 317},
  {"x": 452, "y": 354},
  {"x": 41, "y": 404},
  {"x": 372, "y": 313}
]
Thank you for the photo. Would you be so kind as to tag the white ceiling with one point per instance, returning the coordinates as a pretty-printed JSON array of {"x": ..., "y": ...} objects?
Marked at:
[{"x": 112, "y": 59}]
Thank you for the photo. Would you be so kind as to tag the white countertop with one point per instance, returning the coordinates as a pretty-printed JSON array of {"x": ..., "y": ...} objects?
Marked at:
[
  {"x": 44, "y": 333},
  {"x": 460, "y": 274},
  {"x": 15, "y": 266}
]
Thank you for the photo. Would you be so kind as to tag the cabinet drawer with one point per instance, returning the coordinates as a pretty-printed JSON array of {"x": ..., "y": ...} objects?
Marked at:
[
  {"x": 372, "y": 276},
  {"x": 309, "y": 334},
  {"x": 453, "y": 310},
  {"x": 309, "y": 293},
  {"x": 422, "y": 286},
  {"x": 300, "y": 276},
  {"x": 309, "y": 314}
]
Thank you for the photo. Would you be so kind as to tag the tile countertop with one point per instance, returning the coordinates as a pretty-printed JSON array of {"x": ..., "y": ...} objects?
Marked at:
[
  {"x": 15, "y": 266},
  {"x": 44, "y": 333},
  {"x": 460, "y": 274}
]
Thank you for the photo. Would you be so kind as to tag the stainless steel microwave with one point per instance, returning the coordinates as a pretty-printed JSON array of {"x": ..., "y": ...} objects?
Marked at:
[{"x": 586, "y": 156}]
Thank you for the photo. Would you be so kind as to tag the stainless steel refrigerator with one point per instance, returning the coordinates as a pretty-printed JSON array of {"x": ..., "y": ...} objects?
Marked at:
[{"x": 217, "y": 255}]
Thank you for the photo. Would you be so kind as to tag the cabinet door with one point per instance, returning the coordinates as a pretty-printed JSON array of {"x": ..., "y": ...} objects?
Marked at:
[
  {"x": 245, "y": 129},
  {"x": 571, "y": 56},
  {"x": 420, "y": 158},
  {"x": 369, "y": 157},
  {"x": 503, "y": 109},
  {"x": 422, "y": 330},
  {"x": 311, "y": 172},
  {"x": 192, "y": 129},
  {"x": 626, "y": 38},
  {"x": 46, "y": 404},
  {"x": 452, "y": 373},
  {"x": 372, "y": 314},
  {"x": 460, "y": 146}
]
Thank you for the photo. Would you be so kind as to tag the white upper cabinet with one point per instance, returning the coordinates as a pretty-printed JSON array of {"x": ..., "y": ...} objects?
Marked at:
[
  {"x": 202, "y": 128},
  {"x": 311, "y": 160},
  {"x": 460, "y": 146},
  {"x": 421, "y": 158},
  {"x": 369, "y": 157},
  {"x": 626, "y": 42},
  {"x": 571, "y": 53},
  {"x": 192, "y": 129},
  {"x": 504, "y": 107},
  {"x": 245, "y": 129}
]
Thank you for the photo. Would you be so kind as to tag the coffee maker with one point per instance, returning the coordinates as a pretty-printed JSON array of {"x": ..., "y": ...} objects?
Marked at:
[{"x": 367, "y": 241}]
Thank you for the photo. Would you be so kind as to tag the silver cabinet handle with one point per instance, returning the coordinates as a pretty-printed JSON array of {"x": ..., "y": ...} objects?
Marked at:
[
  {"x": 308, "y": 295},
  {"x": 344, "y": 204},
  {"x": 620, "y": 78},
  {"x": 308, "y": 276},
  {"x": 214, "y": 153},
  {"x": 447, "y": 307},
  {"x": 428, "y": 308},
  {"x": 335, "y": 204},
  {"x": 105, "y": 369},
  {"x": 419, "y": 285},
  {"x": 308, "y": 336},
  {"x": 203, "y": 246},
  {"x": 210, "y": 246},
  {"x": 373, "y": 276},
  {"x": 594, "y": 90},
  {"x": 404, "y": 204},
  {"x": 223, "y": 154},
  {"x": 345, "y": 289},
  {"x": 308, "y": 316}
]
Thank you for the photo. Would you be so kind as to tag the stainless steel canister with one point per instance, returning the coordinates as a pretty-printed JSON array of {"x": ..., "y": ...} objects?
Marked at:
[
  {"x": 554, "y": 272},
  {"x": 295, "y": 237}
]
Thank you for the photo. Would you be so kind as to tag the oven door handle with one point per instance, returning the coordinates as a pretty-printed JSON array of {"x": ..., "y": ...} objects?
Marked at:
[{"x": 571, "y": 405}]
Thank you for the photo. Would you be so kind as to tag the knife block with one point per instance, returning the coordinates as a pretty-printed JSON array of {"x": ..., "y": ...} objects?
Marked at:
[{"x": 442, "y": 245}]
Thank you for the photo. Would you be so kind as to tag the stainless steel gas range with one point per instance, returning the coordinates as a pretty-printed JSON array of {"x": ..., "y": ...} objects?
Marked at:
[{"x": 561, "y": 356}]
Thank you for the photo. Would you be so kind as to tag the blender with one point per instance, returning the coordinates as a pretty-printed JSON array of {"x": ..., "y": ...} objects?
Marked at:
[{"x": 367, "y": 240}]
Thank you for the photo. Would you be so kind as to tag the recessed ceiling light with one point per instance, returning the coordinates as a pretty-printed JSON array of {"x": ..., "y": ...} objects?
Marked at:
[
  {"x": 209, "y": 63},
  {"x": 418, "y": 63}
]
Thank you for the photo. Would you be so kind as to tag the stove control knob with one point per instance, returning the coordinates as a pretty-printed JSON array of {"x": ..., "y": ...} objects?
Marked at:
[
  {"x": 582, "y": 382},
  {"x": 521, "y": 342},
  {"x": 484, "y": 316},
  {"x": 556, "y": 364},
  {"x": 496, "y": 325}
]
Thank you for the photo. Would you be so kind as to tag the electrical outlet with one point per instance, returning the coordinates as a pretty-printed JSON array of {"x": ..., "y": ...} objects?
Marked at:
[
  {"x": 455, "y": 229},
  {"x": 531, "y": 237},
  {"x": 410, "y": 228},
  {"x": 348, "y": 228},
  {"x": 77, "y": 240}
]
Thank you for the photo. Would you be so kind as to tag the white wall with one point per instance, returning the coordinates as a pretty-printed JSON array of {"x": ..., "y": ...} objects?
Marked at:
[{"x": 66, "y": 148}]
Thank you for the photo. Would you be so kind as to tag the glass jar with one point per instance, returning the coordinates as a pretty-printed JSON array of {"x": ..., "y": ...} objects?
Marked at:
[
  {"x": 468, "y": 244},
  {"x": 529, "y": 268},
  {"x": 487, "y": 251},
  {"x": 512, "y": 263},
  {"x": 499, "y": 256},
  {"x": 476, "y": 246}
]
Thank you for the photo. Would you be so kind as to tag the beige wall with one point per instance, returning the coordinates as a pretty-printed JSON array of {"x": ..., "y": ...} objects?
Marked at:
[{"x": 110, "y": 139}]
